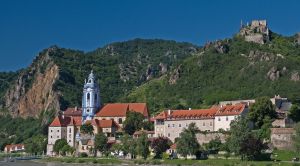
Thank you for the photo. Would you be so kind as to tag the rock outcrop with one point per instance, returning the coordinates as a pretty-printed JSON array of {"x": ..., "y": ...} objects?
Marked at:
[
  {"x": 260, "y": 56},
  {"x": 33, "y": 91},
  {"x": 175, "y": 75},
  {"x": 273, "y": 74},
  {"x": 295, "y": 76}
]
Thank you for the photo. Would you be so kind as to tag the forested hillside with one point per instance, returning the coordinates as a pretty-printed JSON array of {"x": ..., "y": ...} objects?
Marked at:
[{"x": 227, "y": 70}]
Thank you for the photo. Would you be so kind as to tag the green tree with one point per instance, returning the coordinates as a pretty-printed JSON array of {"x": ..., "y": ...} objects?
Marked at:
[
  {"x": 239, "y": 132},
  {"x": 251, "y": 148},
  {"x": 143, "y": 146},
  {"x": 59, "y": 145},
  {"x": 101, "y": 143},
  {"x": 160, "y": 145},
  {"x": 133, "y": 122},
  {"x": 187, "y": 143},
  {"x": 116, "y": 148},
  {"x": 264, "y": 132},
  {"x": 147, "y": 125},
  {"x": 296, "y": 138},
  {"x": 36, "y": 144},
  {"x": 87, "y": 128},
  {"x": 294, "y": 112},
  {"x": 128, "y": 145},
  {"x": 214, "y": 145},
  {"x": 261, "y": 109},
  {"x": 66, "y": 149}
]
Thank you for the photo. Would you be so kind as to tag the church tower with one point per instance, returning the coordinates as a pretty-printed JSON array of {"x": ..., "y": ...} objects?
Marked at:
[{"x": 90, "y": 98}]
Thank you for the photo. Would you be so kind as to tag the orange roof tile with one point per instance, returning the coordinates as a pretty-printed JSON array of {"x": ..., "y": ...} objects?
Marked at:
[
  {"x": 104, "y": 123},
  {"x": 190, "y": 114},
  {"x": 60, "y": 121},
  {"x": 231, "y": 110},
  {"x": 73, "y": 111},
  {"x": 75, "y": 121},
  {"x": 120, "y": 109}
]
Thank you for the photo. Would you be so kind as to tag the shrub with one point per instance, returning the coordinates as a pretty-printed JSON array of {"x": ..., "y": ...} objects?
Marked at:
[
  {"x": 83, "y": 154},
  {"x": 165, "y": 156}
]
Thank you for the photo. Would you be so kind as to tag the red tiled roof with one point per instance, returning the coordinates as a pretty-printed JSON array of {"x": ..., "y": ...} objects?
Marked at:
[
  {"x": 60, "y": 121},
  {"x": 75, "y": 121},
  {"x": 231, "y": 110},
  {"x": 190, "y": 114},
  {"x": 120, "y": 109},
  {"x": 73, "y": 111},
  {"x": 104, "y": 123}
]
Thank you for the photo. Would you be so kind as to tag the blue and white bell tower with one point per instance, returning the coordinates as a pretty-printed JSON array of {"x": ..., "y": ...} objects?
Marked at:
[{"x": 90, "y": 98}]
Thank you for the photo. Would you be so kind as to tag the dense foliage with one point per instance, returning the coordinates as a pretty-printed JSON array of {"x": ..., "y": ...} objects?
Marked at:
[
  {"x": 18, "y": 130},
  {"x": 243, "y": 142},
  {"x": 187, "y": 143},
  {"x": 134, "y": 121},
  {"x": 36, "y": 145},
  {"x": 241, "y": 73},
  {"x": 101, "y": 143},
  {"x": 294, "y": 112},
  {"x": 261, "y": 109},
  {"x": 87, "y": 128},
  {"x": 142, "y": 146},
  {"x": 160, "y": 145}
]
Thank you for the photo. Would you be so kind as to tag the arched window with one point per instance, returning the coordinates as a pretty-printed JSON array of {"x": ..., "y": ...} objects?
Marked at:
[{"x": 88, "y": 96}]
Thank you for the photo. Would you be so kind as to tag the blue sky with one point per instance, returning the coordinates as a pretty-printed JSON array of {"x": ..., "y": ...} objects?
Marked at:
[{"x": 27, "y": 27}]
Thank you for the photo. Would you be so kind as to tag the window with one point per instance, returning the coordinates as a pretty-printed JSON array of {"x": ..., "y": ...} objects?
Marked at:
[
  {"x": 87, "y": 110},
  {"x": 168, "y": 125},
  {"x": 70, "y": 130},
  {"x": 169, "y": 134},
  {"x": 210, "y": 123},
  {"x": 69, "y": 140},
  {"x": 179, "y": 125},
  {"x": 51, "y": 131},
  {"x": 120, "y": 120},
  {"x": 57, "y": 130},
  {"x": 219, "y": 119},
  {"x": 51, "y": 136},
  {"x": 95, "y": 98},
  {"x": 203, "y": 123},
  {"x": 70, "y": 136},
  {"x": 88, "y": 96},
  {"x": 173, "y": 125},
  {"x": 226, "y": 118},
  {"x": 57, "y": 136}
]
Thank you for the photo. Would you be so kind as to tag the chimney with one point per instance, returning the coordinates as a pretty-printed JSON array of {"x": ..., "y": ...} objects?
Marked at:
[
  {"x": 169, "y": 112},
  {"x": 76, "y": 108}
]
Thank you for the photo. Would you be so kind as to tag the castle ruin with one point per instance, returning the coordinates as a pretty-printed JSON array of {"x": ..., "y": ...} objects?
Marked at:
[{"x": 257, "y": 31}]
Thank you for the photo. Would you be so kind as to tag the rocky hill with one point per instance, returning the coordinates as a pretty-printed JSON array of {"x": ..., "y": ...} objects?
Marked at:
[
  {"x": 165, "y": 74},
  {"x": 55, "y": 78}
]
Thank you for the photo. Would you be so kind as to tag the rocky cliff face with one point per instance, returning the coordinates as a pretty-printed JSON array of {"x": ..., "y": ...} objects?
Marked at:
[{"x": 33, "y": 91}]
